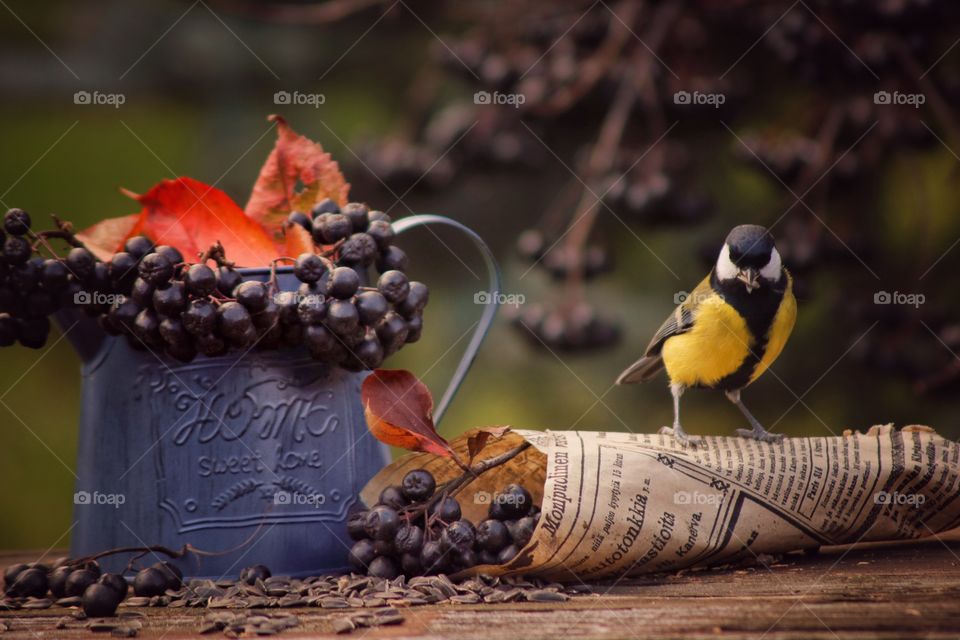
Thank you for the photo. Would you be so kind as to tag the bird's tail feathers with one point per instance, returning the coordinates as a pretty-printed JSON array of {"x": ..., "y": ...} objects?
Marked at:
[{"x": 642, "y": 370}]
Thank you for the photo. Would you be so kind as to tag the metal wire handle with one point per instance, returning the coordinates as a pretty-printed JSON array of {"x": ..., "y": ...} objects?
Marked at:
[{"x": 489, "y": 311}]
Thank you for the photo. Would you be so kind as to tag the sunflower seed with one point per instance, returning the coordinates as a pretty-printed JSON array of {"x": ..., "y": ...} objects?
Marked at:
[
  {"x": 73, "y": 601},
  {"x": 38, "y": 603},
  {"x": 546, "y": 596}
]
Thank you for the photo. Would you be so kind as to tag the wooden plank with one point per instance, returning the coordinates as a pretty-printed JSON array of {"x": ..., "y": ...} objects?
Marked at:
[{"x": 877, "y": 590}]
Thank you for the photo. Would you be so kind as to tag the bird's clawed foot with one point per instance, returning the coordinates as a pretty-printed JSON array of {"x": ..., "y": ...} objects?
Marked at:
[
  {"x": 761, "y": 434},
  {"x": 677, "y": 432}
]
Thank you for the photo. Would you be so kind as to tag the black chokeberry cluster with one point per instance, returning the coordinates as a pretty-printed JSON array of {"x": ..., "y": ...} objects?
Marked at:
[
  {"x": 98, "y": 593},
  {"x": 30, "y": 287},
  {"x": 415, "y": 530},
  {"x": 163, "y": 302}
]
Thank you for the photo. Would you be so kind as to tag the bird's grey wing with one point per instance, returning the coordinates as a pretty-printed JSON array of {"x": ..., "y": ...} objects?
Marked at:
[{"x": 680, "y": 321}]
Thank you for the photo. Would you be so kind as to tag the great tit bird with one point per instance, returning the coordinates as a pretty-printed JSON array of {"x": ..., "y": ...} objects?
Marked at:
[{"x": 728, "y": 330}]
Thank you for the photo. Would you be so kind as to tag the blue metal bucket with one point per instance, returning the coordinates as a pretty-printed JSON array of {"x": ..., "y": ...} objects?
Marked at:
[{"x": 257, "y": 456}]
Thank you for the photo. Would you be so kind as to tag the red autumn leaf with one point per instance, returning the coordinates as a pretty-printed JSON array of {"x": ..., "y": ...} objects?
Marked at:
[
  {"x": 479, "y": 440},
  {"x": 297, "y": 174},
  {"x": 106, "y": 237},
  {"x": 190, "y": 215},
  {"x": 399, "y": 412}
]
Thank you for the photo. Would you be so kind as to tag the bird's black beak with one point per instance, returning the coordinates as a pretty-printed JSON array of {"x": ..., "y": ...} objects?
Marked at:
[{"x": 750, "y": 279}]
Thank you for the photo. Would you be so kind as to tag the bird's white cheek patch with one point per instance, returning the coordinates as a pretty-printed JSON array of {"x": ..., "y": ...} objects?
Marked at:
[
  {"x": 772, "y": 269},
  {"x": 726, "y": 270}
]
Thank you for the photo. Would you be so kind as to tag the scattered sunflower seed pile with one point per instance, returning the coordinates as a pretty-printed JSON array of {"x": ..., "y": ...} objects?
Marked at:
[
  {"x": 381, "y": 597},
  {"x": 234, "y": 624},
  {"x": 353, "y": 591}
]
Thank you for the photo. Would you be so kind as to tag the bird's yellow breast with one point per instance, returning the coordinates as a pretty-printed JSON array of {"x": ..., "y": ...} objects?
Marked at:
[{"x": 715, "y": 347}]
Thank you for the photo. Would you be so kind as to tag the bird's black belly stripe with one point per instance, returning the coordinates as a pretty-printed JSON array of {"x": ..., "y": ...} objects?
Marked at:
[{"x": 758, "y": 310}]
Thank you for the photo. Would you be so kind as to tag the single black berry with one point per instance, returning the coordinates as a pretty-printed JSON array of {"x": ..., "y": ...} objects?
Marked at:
[
  {"x": 155, "y": 268},
  {"x": 356, "y": 524},
  {"x": 312, "y": 310},
  {"x": 361, "y": 555},
  {"x": 100, "y": 601},
  {"x": 149, "y": 582},
  {"x": 383, "y": 567},
  {"x": 357, "y": 214},
  {"x": 392, "y": 497},
  {"x": 492, "y": 535},
  {"x": 521, "y": 531},
  {"x": 329, "y": 228},
  {"x": 78, "y": 581},
  {"x": 138, "y": 246},
  {"x": 372, "y": 306},
  {"x": 29, "y": 583},
  {"x": 234, "y": 320},
  {"x": 409, "y": 539},
  {"x": 382, "y": 523},
  {"x": 16, "y": 222},
  {"x": 418, "y": 485},
  {"x": 394, "y": 285},
  {"x": 382, "y": 233},
  {"x": 309, "y": 267},
  {"x": 358, "y": 249},
  {"x": 325, "y": 206},
  {"x": 170, "y": 298},
  {"x": 459, "y": 534},
  {"x": 300, "y": 219},
  {"x": 200, "y": 317},
  {"x": 16, "y": 250},
  {"x": 342, "y": 317},
  {"x": 171, "y": 254},
  {"x": 433, "y": 557},
  {"x": 253, "y": 295},
  {"x": 392, "y": 258},
  {"x": 447, "y": 509},
  {"x": 116, "y": 582},
  {"x": 200, "y": 280},
  {"x": 343, "y": 283}
]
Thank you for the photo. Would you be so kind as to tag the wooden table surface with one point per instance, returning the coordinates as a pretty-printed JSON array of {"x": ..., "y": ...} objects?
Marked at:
[{"x": 894, "y": 590}]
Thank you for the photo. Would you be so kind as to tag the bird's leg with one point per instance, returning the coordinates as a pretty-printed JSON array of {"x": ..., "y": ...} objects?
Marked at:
[
  {"x": 677, "y": 431},
  {"x": 757, "y": 432}
]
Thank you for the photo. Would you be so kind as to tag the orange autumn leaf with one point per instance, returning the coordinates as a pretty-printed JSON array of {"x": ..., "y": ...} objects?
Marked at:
[
  {"x": 106, "y": 237},
  {"x": 297, "y": 174},
  {"x": 399, "y": 412},
  {"x": 296, "y": 240},
  {"x": 190, "y": 215}
]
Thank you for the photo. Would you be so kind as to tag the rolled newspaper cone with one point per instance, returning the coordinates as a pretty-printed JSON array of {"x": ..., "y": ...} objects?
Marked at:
[{"x": 624, "y": 504}]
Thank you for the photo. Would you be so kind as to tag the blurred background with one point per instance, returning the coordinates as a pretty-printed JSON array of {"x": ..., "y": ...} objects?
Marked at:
[{"x": 603, "y": 149}]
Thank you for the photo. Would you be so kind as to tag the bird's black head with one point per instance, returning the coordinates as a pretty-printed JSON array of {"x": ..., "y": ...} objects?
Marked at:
[{"x": 750, "y": 256}]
